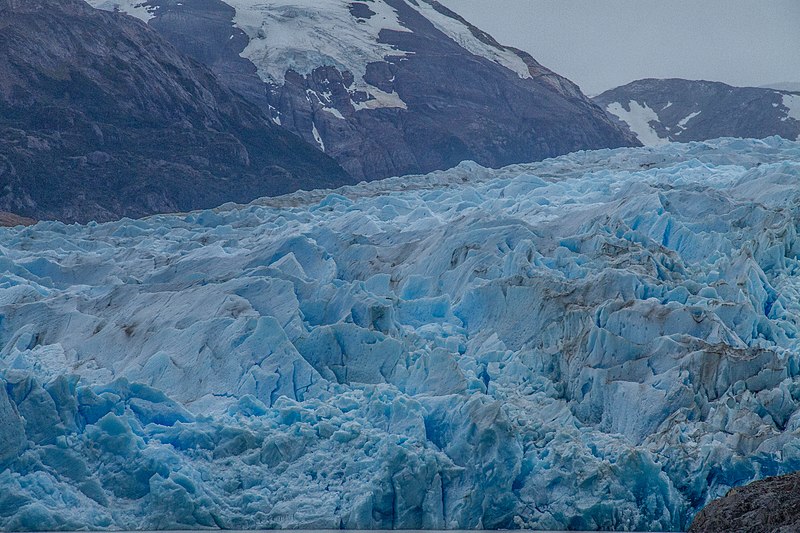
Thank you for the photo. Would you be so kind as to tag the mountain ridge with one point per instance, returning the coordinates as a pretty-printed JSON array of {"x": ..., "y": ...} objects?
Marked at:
[
  {"x": 679, "y": 110},
  {"x": 387, "y": 87}
]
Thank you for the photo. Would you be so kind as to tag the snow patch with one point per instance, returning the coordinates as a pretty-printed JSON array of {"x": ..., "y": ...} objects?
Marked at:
[
  {"x": 792, "y": 104},
  {"x": 275, "y": 115},
  {"x": 324, "y": 101},
  {"x": 302, "y": 35},
  {"x": 335, "y": 112},
  {"x": 381, "y": 99},
  {"x": 638, "y": 120},
  {"x": 317, "y": 136},
  {"x": 685, "y": 120},
  {"x": 135, "y": 8}
]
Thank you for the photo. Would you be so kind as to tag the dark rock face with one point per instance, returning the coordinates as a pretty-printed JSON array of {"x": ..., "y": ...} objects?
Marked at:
[
  {"x": 771, "y": 505},
  {"x": 683, "y": 110},
  {"x": 100, "y": 117},
  {"x": 204, "y": 30},
  {"x": 456, "y": 105},
  {"x": 11, "y": 220}
]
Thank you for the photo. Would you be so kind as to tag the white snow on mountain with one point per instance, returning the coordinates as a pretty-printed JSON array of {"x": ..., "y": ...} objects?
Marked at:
[
  {"x": 136, "y": 8},
  {"x": 463, "y": 35},
  {"x": 792, "y": 104},
  {"x": 606, "y": 340},
  {"x": 381, "y": 99},
  {"x": 684, "y": 121},
  {"x": 317, "y": 137},
  {"x": 302, "y": 35},
  {"x": 638, "y": 118},
  {"x": 658, "y": 111}
]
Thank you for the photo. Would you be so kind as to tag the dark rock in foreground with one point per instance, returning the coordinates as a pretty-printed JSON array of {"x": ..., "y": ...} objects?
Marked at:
[{"x": 771, "y": 505}]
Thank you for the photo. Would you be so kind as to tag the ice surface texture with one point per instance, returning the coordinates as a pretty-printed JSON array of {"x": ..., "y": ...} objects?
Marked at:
[{"x": 603, "y": 340}]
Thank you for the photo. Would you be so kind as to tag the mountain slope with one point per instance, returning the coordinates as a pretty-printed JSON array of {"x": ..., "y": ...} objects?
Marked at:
[
  {"x": 790, "y": 86},
  {"x": 100, "y": 118},
  {"x": 386, "y": 87},
  {"x": 663, "y": 110}
]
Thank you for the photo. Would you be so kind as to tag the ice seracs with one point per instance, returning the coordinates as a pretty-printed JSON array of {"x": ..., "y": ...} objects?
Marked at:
[{"x": 606, "y": 340}]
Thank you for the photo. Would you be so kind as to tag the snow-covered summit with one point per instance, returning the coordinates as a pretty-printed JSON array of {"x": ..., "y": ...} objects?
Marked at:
[
  {"x": 303, "y": 35},
  {"x": 605, "y": 340}
]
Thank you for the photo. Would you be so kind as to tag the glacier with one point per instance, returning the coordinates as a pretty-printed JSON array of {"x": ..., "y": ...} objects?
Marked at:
[{"x": 606, "y": 340}]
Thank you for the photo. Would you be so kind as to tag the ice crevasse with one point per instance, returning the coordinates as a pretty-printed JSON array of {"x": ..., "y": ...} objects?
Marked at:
[{"x": 606, "y": 340}]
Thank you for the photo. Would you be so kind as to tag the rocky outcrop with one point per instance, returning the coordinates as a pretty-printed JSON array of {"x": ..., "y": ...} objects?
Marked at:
[
  {"x": 388, "y": 87},
  {"x": 11, "y": 219},
  {"x": 771, "y": 505},
  {"x": 100, "y": 117},
  {"x": 660, "y": 111}
]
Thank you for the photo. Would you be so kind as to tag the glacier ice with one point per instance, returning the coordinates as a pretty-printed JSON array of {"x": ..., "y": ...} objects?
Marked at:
[{"x": 606, "y": 340}]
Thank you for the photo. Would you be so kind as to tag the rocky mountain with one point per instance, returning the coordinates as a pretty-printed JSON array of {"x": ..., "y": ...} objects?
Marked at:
[
  {"x": 11, "y": 220},
  {"x": 662, "y": 110},
  {"x": 791, "y": 86},
  {"x": 770, "y": 505},
  {"x": 100, "y": 117},
  {"x": 386, "y": 87}
]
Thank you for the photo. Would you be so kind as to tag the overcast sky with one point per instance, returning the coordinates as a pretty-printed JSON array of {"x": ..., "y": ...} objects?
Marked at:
[{"x": 600, "y": 44}]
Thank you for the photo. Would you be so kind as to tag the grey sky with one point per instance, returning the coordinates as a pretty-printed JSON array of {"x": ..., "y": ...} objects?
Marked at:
[{"x": 600, "y": 44}]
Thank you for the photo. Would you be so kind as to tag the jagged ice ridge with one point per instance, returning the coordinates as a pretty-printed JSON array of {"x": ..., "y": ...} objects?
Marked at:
[{"x": 603, "y": 340}]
